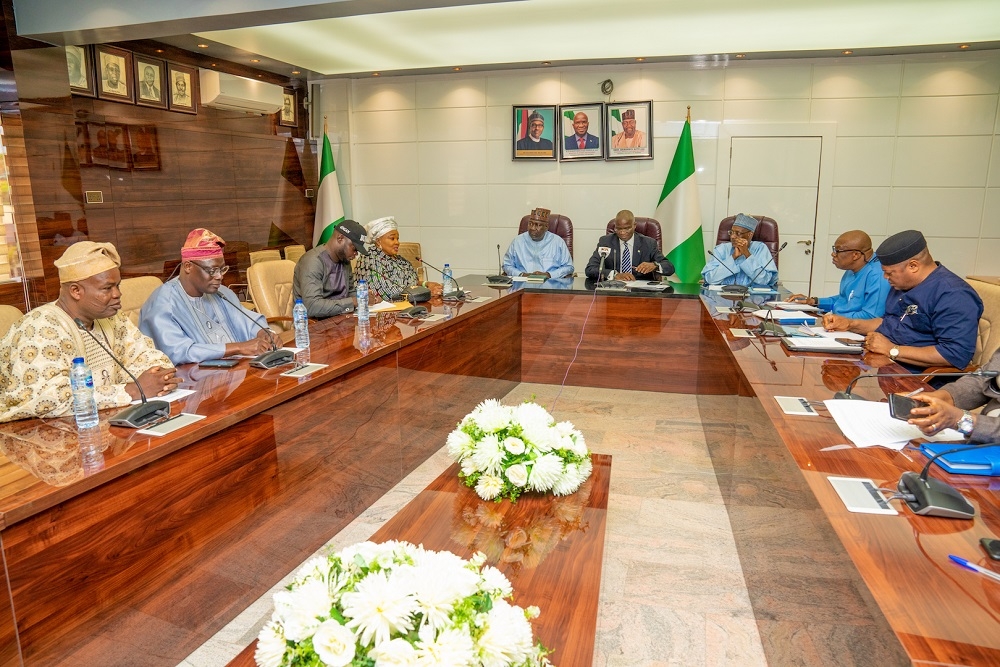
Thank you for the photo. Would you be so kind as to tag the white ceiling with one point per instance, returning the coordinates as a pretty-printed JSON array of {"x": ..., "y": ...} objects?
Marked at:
[{"x": 563, "y": 31}]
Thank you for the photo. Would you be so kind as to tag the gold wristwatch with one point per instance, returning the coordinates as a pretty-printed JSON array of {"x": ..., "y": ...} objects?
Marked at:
[{"x": 893, "y": 353}]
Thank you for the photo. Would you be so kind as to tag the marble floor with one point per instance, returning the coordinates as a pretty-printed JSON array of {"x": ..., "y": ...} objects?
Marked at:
[{"x": 672, "y": 591}]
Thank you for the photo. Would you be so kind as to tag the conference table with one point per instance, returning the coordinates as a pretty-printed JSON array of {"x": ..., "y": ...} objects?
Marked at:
[{"x": 136, "y": 549}]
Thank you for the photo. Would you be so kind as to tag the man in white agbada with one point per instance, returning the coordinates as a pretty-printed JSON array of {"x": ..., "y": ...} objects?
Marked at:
[
  {"x": 37, "y": 352},
  {"x": 194, "y": 317},
  {"x": 538, "y": 252}
]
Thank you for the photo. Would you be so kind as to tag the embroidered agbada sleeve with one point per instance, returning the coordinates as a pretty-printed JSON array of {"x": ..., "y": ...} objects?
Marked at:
[
  {"x": 135, "y": 349},
  {"x": 35, "y": 357}
]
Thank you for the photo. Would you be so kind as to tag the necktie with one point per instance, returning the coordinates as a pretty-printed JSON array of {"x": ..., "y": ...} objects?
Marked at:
[
  {"x": 581, "y": 142},
  {"x": 626, "y": 259}
]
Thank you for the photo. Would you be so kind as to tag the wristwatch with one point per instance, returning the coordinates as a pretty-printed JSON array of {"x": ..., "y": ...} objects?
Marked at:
[
  {"x": 965, "y": 424},
  {"x": 893, "y": 353}
]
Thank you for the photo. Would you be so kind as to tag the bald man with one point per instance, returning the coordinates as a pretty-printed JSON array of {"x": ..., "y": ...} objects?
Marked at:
[{"x": 863, "y": 288}]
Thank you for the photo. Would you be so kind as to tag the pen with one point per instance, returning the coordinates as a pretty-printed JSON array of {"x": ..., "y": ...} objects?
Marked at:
[
  {"x": 914, "y": 392},
  {"x": 975, "y": 568}
]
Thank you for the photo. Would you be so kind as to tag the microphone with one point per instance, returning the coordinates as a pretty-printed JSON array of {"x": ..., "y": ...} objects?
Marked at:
[
  {"x": 846, "y": 394},
  {"x": 134, "y": 416},
  {"x": 457, "y": 295},
  {"x": 499, "y": 278},
  {"x": 276, "y": 357},
  {"x": 742, "y": 290},
  {"x": 603, "y": 251},
  {"x": 927, "y": 496},
  {"x": 771, "y": 261}
]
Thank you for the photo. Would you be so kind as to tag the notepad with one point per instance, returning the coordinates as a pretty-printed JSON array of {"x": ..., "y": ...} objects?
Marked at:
[
  {"x": 970, "y": 460},
  {"x": 303, "y": 370},
  {"x": 172, "y": 424},
  {"x": 175, "y": 395}
]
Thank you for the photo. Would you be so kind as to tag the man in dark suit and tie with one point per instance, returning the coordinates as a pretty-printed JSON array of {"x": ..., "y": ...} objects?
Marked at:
[
  {"x": 632, "y": 257},
  {"x": 581, "y": 138}
]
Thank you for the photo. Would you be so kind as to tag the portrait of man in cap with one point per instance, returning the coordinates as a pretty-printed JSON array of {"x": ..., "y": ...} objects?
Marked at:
[
  {"x": 630, "y": 136},
  {"x": 533, "y": 132},
  {"x": 76, "y": 63},
  {"x": 113, "y": 73}
]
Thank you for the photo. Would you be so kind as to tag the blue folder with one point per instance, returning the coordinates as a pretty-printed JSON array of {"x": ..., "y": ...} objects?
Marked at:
[{"x": 970, "y": 460}]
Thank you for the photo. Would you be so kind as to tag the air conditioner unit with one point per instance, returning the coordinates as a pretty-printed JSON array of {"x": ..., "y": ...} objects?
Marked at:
[{"x": 235, "y": 93}]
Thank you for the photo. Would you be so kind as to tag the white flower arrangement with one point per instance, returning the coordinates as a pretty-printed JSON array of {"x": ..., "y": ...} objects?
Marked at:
[
  {"x": 505, "y": 451},
  {"x": 398, "y": 605}
]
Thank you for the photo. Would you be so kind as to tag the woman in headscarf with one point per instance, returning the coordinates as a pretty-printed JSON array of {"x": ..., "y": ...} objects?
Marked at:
[{"x": 387, "y": 272}]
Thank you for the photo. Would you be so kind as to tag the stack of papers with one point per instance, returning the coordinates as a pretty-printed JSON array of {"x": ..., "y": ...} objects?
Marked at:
[
  {"x": 785, "y": 316},
  {"x": 788, "y": 305},
  {"x": 820, "y": 331},
  {"x": 868, "y": 424}
]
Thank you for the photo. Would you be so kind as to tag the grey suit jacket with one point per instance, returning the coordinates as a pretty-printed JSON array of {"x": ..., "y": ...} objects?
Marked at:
[
  {"x": 970, "y": 393},
  {"x": 311, "y": 285}
]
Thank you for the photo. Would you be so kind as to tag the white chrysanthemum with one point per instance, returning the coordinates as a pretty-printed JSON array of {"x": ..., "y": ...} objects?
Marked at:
[
  {"x": 579, "y": 446},
  {"x": 367, "y": 551},
  {"x": 453, "y": 648},
  {"x": 469, "y": 466},
  {"x": 438, "y": 581},
  {"x": 574, "y": 476},
  {"x": 545, "y": 472},
  {"x": 314, "y": 568},
  {"x": 543, "y": 438},
  {"x": 565, "y": 428},
  {"x": 491, "y": 416},
  {"x": 532, "y": 612},
  {"x": 270, "y": 645},
  {"x": 394, "y": 653},
  {"x": 517, "y": 474},
  {"x": 378, "y": 606},
  {"x": 513, "y": 445},
  {"x": 460, "y": 444},
  {"x": 495, "y": 582},
  {"x": 334, "y": 644},
  {"x": 302, "y": 610},
  {"x": 489, "y": 487},
  {"x": 488, "y": 454},
  {"x": 507, "y": 638}
]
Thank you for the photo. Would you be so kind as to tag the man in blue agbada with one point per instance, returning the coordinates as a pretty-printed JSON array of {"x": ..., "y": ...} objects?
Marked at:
[
  {"x": 863, "y": 288},
  {"x": 741, "y": 261},
  {"x": 193, "y": 317},
  {"x": 538, "y": 252}
]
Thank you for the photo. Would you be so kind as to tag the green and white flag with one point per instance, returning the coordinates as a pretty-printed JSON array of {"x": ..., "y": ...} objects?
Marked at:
[
  {"x": 678, "y": 209},
  {"x": 329, "y": 205}
]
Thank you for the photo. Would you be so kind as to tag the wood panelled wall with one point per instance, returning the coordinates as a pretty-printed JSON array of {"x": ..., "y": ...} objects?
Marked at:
[{"x": 240, "y": 175}]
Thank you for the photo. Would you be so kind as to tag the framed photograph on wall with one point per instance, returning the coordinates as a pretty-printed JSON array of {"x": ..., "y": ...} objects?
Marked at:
[
  {"x": 149, "y": 75},
  {"x": 582, "y": 131},
  {"x": 80, "y": 63},
  {"x": 114, "y": 73},
  {"x": 627, "y": 128},
  {"x": 534, "y": 133},
  {"x": 119, "y": 154},
  {"x": 97, "y": 140},
  {"x": 144, "y": 147},
  {"x": 83, "y": 153},
  {"x": 288, "y": 116},
  {"x": 183, "y": 88}
]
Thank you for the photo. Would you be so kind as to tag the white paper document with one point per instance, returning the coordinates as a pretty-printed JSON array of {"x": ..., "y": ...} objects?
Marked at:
[
  {"x": 647, "y": 285},
  {"x": 781, "y": 315},
  {"x": 382, "y": 306},
  {"x": 176, "y": 394},
  {"x": 820, "y": 331},
  {"x": 519, "y": 279},
  {"x": 822, "y": 345},
  {"x": 868, "y": 424},
  {"x": 788, "y": 305}
]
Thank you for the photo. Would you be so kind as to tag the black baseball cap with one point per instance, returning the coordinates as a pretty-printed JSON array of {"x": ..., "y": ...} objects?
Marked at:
[{"x": 355, "y": 231}]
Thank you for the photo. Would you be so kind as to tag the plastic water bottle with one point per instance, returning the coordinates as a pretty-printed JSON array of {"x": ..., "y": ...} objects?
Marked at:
[
  {"x": 449, "y": 283},
  {"x": 84, "y": 406},
  {"x": 363, "y": 300},
  {"x": 301, "y": 319}
]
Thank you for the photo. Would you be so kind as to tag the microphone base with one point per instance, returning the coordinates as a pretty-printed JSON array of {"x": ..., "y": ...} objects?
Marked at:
[
  {"x": 417, "y": 295},
  {"x": 844, "y": 396},
  {"x": 457, "y": 295},
  {"x": 932, "y": 497},
  {"x": 141, "y": 415},
  {"x": 742, "y": 290},
  {"x": 499, "y": 280},
  {"x": 273, "y": 358}
]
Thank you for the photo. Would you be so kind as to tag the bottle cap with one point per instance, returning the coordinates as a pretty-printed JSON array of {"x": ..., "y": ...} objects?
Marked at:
[{"x": 78, "y": 360}]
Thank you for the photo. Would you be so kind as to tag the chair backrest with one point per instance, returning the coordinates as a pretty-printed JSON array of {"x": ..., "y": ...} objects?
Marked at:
[
  {"x": 410, "y": 252},
  {"x": 988, "y": 340},
  {"x": 559, "y": 225},
  {"x": 271, "y": 289},
  {"x": 135, "y": 291},
  {"x": 265, "y": 255},
  {"x": 766, "y": 233},
  {"x": 8, "y": 315},
  {"x": 645, "y": 226},
  {"x": 294, "y": 252}
]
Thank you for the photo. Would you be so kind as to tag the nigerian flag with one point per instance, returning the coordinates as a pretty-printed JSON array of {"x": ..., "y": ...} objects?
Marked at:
[
  {"x": 678, "y": 209},
  {"x": 329, "y": 206}
]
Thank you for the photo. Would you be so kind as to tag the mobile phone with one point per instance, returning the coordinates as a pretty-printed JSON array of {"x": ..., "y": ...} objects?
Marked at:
[
  {"x": 218, "y": 363},
  {"x": 900, "y": 406},
  {"x": 991, "y": 547},
  {"x": 850, "y": 341}
]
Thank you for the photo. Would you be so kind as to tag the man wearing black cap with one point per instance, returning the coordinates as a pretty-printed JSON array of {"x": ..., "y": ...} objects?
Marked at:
[
  {"x": 534, "y": 141},
  {"x": 931, "y": 315},
  {"x": 323, "y": 277}
]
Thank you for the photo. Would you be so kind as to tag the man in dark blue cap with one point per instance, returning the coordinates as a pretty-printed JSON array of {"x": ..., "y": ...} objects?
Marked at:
[{"x": 931, "y": 315}]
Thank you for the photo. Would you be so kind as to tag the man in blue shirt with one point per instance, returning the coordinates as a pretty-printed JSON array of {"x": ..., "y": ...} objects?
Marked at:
[
  {"x": 863, "y": 288},
  {"x": 741, "y": 261},
  {"x": 931, "y": 315},
  {"x": 538, "y": 252}
]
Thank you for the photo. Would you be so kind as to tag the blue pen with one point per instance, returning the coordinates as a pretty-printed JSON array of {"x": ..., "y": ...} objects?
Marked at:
[{"x": 975, "y": 568}]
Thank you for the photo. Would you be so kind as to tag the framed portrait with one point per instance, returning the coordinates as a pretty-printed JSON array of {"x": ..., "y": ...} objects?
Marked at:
[
  {"x": 183, "y": 88},
  {"x": 83, "y": 153},
  {"x": 97, "y": 140},
  {"x": 627, "y": 128},
  {"x": 119, "y": 153},
  {"x": 114, "y": 73},
  {"x": 534, "y": 133},
  {"x": 80, "y": 63},
  {"x": 582, "y": 135},
  {"x": 149, "y": 75},
  {"x": 289, "y": 113},
  {"x": 144, "y": 147}
]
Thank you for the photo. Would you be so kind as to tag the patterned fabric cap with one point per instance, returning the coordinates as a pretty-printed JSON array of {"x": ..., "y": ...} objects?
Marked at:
[
  {"x": 202, "y": 244},
  {"x": 628, "y": 114},
  {"x": 745, "y": 221},
  {"x": 85, "y": 259},
  {"x": 380, "y": 227},
  {"x": 540, "y": 214}
]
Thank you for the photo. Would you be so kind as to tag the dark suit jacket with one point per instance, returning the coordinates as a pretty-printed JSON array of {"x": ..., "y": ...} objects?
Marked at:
[
  {"x": 527, "y": 144},
  {"x": 592, "y": 142},
  {"x": 644, "y": 249}
]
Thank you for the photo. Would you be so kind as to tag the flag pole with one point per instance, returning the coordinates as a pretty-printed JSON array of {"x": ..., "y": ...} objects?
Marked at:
[{"x": 689, "y": 114}]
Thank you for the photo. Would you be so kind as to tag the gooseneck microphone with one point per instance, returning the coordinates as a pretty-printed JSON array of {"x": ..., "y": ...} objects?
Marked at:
[
  {"x": 742, "y": 289},
  {"x": 455, "y": 295},
  {"x": 276, "y": 356},
  {"x": 499, "y": 278},
  {"x": 928, "y": 496},
  {"x": 846, "y": 394},
  {"x": 603, "y": 251},
  {"x": 134, "y": 416},
  {"x": 771, "y": 261}
]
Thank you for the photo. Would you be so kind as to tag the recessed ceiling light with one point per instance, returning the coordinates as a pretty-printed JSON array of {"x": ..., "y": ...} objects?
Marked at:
[
  {"x": 456, "y": 69},
  {"x": 159, "y": 50},
  {"x": 255, "y": 60},
  {"x": 376, "y": 74},
  {"x": 214, "y": 65},
  {"x": 546, "y": 63},
  {"x": 295, "y": 71},
  {"x": 963, "y": 46},
  {"x": 640, "y": 60},
  {"x": 847, "y": 52},
  {"x": 203, "y": 46},
  {"x": 741, "y": 55}
]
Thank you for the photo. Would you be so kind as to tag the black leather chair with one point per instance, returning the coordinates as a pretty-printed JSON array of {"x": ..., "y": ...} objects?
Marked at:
[{"x": 646, "y": 227}]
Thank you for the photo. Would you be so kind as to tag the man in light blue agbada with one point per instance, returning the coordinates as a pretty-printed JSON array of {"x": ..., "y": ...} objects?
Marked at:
[
  {"x": 863, "y": 288},
  {"x": 193, "y": 317},
  {"x": 741, "y": 261},
  {"x": 538, "y": 252}
]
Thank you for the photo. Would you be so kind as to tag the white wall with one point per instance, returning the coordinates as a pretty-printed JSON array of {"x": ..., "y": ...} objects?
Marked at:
[{"x": 917, "y": 146}]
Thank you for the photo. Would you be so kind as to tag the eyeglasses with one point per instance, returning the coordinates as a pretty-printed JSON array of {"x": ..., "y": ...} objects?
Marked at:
[
  {"x": 738, "y": 232},
  {"x": 837, "y": 251},
  {"x": 213, "y": 271}
]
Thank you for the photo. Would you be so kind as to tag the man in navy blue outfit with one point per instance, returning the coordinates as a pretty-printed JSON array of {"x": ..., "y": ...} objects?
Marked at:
[{"x": 931, "y": 315}]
